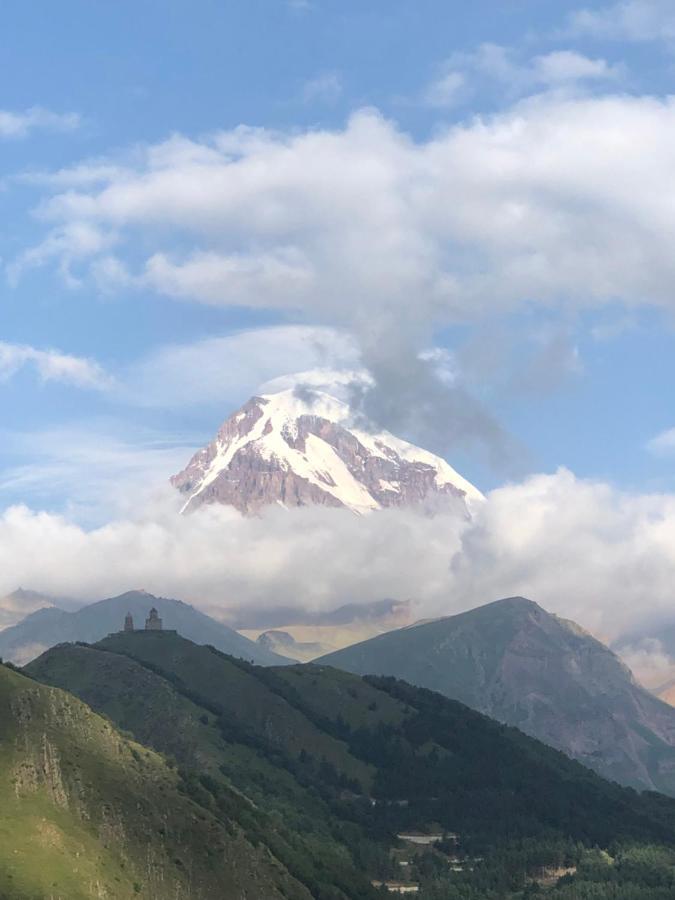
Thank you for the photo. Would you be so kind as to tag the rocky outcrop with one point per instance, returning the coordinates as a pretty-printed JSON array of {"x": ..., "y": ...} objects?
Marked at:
[{"x": 284, "y": 643}]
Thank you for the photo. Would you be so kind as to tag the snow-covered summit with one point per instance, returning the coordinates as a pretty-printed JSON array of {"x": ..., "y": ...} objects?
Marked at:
[{"x": 301, "y": 448}]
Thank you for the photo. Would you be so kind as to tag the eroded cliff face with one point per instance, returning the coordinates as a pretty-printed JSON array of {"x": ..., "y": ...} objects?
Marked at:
[
  {"x": 281, "y": 449},
  {"x": 86, "y": 813}
]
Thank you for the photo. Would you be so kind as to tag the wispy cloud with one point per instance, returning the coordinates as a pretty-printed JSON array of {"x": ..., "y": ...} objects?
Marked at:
[
  {"x": 493, "y": 67},
  {"x": 629, "y": 20},
  {"x": 662, "y": 444},
  {"x": 21, "y": 124},
  {"x": 447, "y": 89},
  {"x": 324, "y": 88},
  {"x": 52, "y": 365},
  {"x": 222, "y": 372},
  {"x": 103, "y": 467}
]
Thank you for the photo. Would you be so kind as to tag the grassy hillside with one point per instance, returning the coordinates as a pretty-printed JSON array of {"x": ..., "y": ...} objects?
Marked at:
[
  {"x": 326, "y": 767},
  {"x": 86, "y": 812}
]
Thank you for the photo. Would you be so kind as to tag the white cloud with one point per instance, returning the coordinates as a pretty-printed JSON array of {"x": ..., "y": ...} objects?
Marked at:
[
  {"x": 558, "y": 201},
  {"x": 447, "y": 90},
  {"x": 21, "y": 124},
  {"x": 580, "y": 548},
  {"x": 52, "y": 365},
  {"x": 494, "y": 67},
  {"x": 662, "y": 444},
  {"x": 313, "y": 557},
  {"x": 73, "y": 242},
  {"x": 633, "y": 20},
  {"x": 324, "y": 88},
  {"x": 234, "y": 279},
  {"x": 566, "y": 66}
]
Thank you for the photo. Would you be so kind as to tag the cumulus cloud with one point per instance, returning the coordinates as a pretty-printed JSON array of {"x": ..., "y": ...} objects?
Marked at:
[
  {"x": 282, "y": 278},
  {"x": 52, "y": 365},
  {"x": 535, "y": 204},
  {"x": 21, "y": 124},
  {"x": 580, "y": 548},
  {"x": 557, "y": 201},
  {"x": 313, "y": 557}
]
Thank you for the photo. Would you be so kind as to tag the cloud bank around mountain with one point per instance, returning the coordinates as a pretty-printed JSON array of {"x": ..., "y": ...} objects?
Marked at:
[{"x": 580, "y": 548}]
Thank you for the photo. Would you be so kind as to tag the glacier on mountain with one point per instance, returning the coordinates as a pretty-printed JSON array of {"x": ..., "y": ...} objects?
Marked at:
[{"x": 303, "y": 448}]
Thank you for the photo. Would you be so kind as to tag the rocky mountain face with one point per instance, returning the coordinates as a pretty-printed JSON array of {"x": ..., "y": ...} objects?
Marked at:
[
  {"x": 517, "y": 663},
  {"x": 88, "y": 814},
  {"x": 299, "y": 451},
  {"x": 48, "y": 627}
]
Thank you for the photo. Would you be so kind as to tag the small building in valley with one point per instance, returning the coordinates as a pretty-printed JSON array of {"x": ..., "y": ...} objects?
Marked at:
[
  {"x": 397, "y": 887},
  {"x": 128, "y": 622},
  {"x": 425, "y": 840}
]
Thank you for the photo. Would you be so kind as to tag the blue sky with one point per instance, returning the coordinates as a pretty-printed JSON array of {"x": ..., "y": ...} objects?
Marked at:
[{"x": 139, "y": 306}]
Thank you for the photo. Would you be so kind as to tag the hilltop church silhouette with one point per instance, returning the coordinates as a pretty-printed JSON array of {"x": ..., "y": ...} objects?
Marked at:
[{"x": 152, "y": 623}]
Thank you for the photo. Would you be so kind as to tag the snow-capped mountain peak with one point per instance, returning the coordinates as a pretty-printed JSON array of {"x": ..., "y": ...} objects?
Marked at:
[{"x": 300, "y": 450}]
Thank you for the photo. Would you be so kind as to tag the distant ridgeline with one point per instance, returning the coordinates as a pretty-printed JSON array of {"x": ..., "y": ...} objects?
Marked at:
[
  {"x": 152, "y": 623},
  {"x": 45, "y": 628}
]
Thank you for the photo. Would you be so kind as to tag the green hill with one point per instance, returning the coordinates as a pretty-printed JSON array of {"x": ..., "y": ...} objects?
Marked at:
[
  {"x": 325, "y": 768},
  {"x": 86, "y": 812}
]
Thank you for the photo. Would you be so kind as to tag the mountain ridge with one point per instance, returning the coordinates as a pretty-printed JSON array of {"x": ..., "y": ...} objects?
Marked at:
[
  {"x": 46, "y": 627},
  {"x": 514, "y": 661}
]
